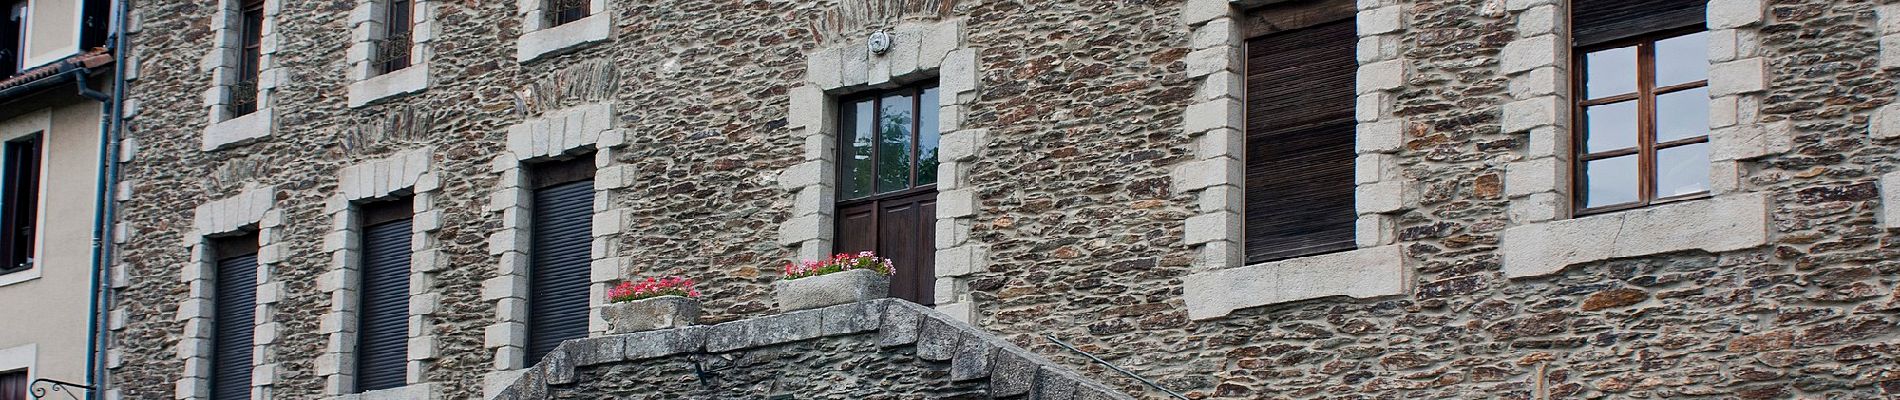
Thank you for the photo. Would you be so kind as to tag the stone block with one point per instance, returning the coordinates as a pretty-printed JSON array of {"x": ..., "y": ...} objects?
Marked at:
[
  {"x": 937, "y": 341},
  {"x": 1540, "y": 175},
  {"x": 1750, "y": 141},
  {"x": 1213, "y": 60},
  {"x": 597, "y": 350},
  {"x": 963, "y": 145},
  {"x": 1373, "y": 230},
  {"x": 1014, "y": 373},
  {"x": 728, "y": 336},
  {"x": 1383, "y": 197},
  {"x": 1533, "y": 52},
  {"x": 957, "y": 203},
  {"x": 654, "y": 344},
  {"x": 665, "y": 312},
  {"x": 1382, "y": 20},
  {"x": 1722, "y": 223},
  {"x": 1370, "y": 168},
  {"x": 1378, "y": 48},
  {"x": 1222, "y": 85},
  {"x": 1212, "y": 227},
  {"x": 1890, "y": 203},
  {"x": 902, "y": 320},
  {"x": 1202, "y": 174},
  {"x": 1224, "y": 198},
  {"x": 804, "y": 228},
  {"x": 1542, "y": 20},
  {"x": 788, "y": 327},
  {"x": 971, "y": 360},
  {"x": 1885, "y": 122},
  {"x": 1197, "y": 12},
  {"x": 809, "y": 173},
  {"x": 1544, "y": 81},
  {"x": 1053, "y": 383},
  {"x": 1539, "y": 207},
  {"x": 937, "y": 41},
  {"x": 1748, "y": 75},
  {"x": 1371, "y": 106},
  {"x": 1527, "y": 114},
  {"x": 1731, "y": 14},
  {"x": 830, "y": 289},
  {"x": 863, "y": 316},
  {"x": 959, "y": 261},
  {"x": 823, "y": 67},
  {"x": 1380, "y": 137},
  {"x": 1225, "y": 113},
  {"x": 1363, "y": 273}
]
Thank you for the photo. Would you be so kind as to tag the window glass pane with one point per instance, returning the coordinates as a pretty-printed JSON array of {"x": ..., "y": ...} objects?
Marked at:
[
  {"x": 1682, "y": 114},
  {"x": 856, "y": 119},
  {"x": 1610, "y": 72},
  {"x": 893, "y": 143},
  {"x": 1682, "y": 170},
  {"x": 1611, "y": 126},
  {"x": 1610, "y": 181},
  {"x": 927, "y": 136},
  {"x": 1682, "y": 59}
]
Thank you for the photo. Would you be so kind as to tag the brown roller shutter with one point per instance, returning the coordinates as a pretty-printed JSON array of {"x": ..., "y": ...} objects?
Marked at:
[
  {"x": 1596, "y": 22},
  {"x": 1300, "y": 130}
]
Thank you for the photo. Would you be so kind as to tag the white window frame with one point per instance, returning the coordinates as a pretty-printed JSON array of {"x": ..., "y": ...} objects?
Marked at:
[{"x": 37, "y": 122}]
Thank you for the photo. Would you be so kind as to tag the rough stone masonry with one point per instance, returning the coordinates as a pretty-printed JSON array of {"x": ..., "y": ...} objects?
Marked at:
[{"x": 1084, "y": 104}]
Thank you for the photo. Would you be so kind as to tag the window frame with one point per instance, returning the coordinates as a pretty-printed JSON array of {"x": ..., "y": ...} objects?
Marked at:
[
  {"x": 398, "y": 28},
  {"x": 1646, "y": 148},
  {"x": 557, "y": 16},
  {"x": 915, "y": 91},
  {"x": 18, "y": 11},
  {"x": 246, "y": 95},
  {"x": 15, "y": 196}
]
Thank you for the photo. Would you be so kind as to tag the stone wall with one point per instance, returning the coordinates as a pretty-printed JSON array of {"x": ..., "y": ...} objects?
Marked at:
[{"x": 1083, "y": 103}]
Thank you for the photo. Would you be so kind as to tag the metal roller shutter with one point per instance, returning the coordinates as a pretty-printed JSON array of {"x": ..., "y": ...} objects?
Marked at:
[
  {"x": 382, "y": 327},
  {"x": 236, "y": 308},
  {"x": 1300, "y": 133},
  {"x": 561, "y": 253}
]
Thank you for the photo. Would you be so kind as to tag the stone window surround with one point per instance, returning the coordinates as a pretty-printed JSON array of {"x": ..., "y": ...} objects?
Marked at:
[
  {"x": 366, "y": 21},
  {"x": 40, "y": 121},
  {"x": 581, "y": 131},
  {"x": 1544, "y": 237},
  {"x": 224, "y": 130},
  {"x": 253, "y": 209},
  {"x": 1886, "y": 119},
  {"x": 919, "y": 51},
  {"x": 538, "y": 40},
  {"x": 1222, "y": 283},
  {"x": 20, "y": 357},
  {"x": 404, "y": 173}
]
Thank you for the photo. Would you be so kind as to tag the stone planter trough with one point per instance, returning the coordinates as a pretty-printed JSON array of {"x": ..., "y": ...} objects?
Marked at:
[
  {"x": 664, "y": 312},
  {"x": 831, "y": 289}
]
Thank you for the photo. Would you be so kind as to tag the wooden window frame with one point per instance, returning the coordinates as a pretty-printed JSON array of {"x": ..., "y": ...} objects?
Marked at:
[
  {"x": 393, "y": 50},
  {"x": 244, "y": 93},
  {"x": 1646, "y": 135},
  {"x": 915, "y": 91}
]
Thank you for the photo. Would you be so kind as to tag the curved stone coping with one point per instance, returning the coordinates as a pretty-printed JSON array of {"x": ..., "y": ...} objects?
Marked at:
[{"x": 972, "y": 353}]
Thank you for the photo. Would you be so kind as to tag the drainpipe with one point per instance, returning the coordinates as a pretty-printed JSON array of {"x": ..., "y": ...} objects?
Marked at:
[{"x": 104, "y": 211}]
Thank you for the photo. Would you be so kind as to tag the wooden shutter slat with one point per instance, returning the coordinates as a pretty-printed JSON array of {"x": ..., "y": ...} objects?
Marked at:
[
  {"x": 1300, "y": 132},
  {"x": 560, "y": 254},
  {"x": 383, "y": 327},
  {"x": 1596, "y": 22}
]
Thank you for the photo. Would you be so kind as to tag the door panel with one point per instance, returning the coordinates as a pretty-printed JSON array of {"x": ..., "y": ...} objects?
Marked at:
[{"x": 902, "y": 229}]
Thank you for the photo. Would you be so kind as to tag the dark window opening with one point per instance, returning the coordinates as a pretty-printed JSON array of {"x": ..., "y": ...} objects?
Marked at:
[
  {"x": 14, "y": 37},
  {"x": 19, "y": 202},
  {"x": 382, "y": 342},
  {"x": 13, "y": 385},
  {"x": 1300, "y": 132},
  {"x": 234, "y": 314},
  {"x": 888, "y": 174},
  {"x": 1642, "y": 118},
  {"x": 560, "y": 252},
  {"x": 244, "y": 93},
  {"x": 392, "y": 51},
  {"x": 561, "y": 12}
]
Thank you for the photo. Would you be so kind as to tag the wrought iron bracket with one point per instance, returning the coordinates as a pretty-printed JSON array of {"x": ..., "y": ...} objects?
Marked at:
[{"x": 43, "y": 387}]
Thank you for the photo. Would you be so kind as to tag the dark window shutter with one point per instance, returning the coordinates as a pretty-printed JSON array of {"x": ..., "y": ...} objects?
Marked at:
[
  {"x": 1300, "y": 131},
  {"x": 1596, "y": 22},
  {"x": 561, "y": 253},
  {"x": 13, "y": 385},
  {"x": 235, "y": 317},
  {"x": 903, "y": 229},
  {"x": 382, "y": 345}
]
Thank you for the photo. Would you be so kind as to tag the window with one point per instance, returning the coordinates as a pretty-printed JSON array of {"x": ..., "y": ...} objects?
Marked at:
[
  {"x": 13, "y": 385},
  {"x": 234, "y": 316},
  {"x": 19, "y": 202},
  {"x": 1643, "y": 109},
  {"x": 560, "y": 252},
  {"x": 14, "y": 37},
  {"x": 392, "y": 52},
  {"x": 561, "y": 12},
  {"x": 1300, "y": 135},
  {"x": 887, "y": 186},
  {"x": 250, "y": 57},
  {"x": 383, "y": 311}
]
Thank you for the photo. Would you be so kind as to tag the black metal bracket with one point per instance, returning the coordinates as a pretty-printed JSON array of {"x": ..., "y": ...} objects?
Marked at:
[{"x": 43, "y": 387}]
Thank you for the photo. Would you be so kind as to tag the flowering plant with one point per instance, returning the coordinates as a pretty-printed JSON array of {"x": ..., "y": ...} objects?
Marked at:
[
  {"x": 840, "y": 263},
  {"x": 650, "y": 288}
]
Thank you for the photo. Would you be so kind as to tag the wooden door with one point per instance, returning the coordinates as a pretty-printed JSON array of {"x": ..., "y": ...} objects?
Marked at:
[
  {"x": 888, "y": 176},
  {"x": 902, "y": 229}
]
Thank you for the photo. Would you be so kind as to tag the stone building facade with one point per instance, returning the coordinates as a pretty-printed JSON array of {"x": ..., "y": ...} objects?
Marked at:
[{"x": 1091, "y": 184}]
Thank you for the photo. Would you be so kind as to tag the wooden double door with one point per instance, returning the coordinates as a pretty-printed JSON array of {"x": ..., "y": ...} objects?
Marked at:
[{"x": 901, "y": 227}]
